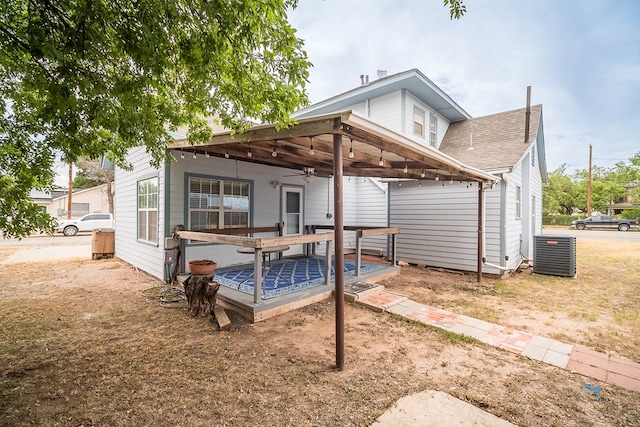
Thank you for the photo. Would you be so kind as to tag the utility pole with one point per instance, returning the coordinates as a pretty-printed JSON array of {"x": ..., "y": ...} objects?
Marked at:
[
  {"x": 70, "y": 188},
  {"x": 589, "y": 182}
]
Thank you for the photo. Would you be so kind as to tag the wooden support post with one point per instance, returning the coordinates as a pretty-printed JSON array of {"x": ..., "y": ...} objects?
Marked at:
[
  {"x": 394, "y": 261},
  {"x": 257, "y": 275},
  {"x": 327, "y": 266},
  {"x": 480, "y": 236},
  {"x": 358, "y": 251},
  {"x": 338, "y": 222}
]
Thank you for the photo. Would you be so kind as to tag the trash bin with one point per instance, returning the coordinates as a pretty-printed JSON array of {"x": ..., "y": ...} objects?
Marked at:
[{"x": 102, "y": 243}]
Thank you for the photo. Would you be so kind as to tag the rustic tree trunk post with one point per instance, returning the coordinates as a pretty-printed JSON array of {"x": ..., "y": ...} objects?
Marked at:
[{"x": 201, "y": 294}]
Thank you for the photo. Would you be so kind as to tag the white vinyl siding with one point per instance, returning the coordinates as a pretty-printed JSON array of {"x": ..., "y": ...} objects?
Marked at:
[
  {"x": 145, "y": 256},
  {"x": 148, "y": 210},
  {"x": 440, "y": 224}
]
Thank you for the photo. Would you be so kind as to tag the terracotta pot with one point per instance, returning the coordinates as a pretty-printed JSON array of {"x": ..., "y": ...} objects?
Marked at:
[{"x": 203, "y": 267}]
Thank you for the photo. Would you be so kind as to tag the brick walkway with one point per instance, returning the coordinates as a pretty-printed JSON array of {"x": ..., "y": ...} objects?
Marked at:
[{"x": 619, "y": 371}]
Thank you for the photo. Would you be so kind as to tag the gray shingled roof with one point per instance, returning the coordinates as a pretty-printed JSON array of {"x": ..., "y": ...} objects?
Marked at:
[{"x": 498, "y": 139}]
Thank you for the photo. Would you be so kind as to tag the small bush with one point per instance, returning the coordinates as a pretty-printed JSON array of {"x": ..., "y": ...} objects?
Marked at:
[{"x": 558, "y": 219}]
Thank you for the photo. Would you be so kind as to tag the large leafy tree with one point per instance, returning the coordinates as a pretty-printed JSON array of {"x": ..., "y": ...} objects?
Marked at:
[{"x": 97, "y": 77}]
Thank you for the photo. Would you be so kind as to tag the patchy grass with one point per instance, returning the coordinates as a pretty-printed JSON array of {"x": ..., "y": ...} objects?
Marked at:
[{"x": 81, "y": 345}]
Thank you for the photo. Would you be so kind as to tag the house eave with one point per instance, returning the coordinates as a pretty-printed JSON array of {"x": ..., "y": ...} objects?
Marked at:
[{"x": 368, "y": 141}]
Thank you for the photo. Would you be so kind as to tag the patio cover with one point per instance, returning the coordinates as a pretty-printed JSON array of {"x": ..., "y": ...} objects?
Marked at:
[{"x": 338, "y": 144}]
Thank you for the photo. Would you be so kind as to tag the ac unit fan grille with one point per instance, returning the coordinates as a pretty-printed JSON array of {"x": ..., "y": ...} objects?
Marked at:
[{"x": 554, "y": 255}]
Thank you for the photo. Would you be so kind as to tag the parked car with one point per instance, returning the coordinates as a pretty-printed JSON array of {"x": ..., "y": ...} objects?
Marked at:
[
  {"x": 88, "y": 222},
  {"x": 604, "y": 221}
]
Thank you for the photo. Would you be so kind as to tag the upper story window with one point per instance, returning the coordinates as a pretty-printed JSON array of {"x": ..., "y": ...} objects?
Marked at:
[
  {"x": 148, "y": 210},
  {"x": 418, "y": 121},
  {"x": 433, "y": 130},
  {"x": 218, "y": 204}
]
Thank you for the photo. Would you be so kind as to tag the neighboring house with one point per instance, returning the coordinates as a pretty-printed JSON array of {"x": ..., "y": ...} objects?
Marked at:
[
  {"x": 43, "y": 198},
  {"x": 83, "y": 201},
  {"x": 394, "y": 127},
  {"x": 439, "y": 221},
  {"x": 626, "y": 202}
]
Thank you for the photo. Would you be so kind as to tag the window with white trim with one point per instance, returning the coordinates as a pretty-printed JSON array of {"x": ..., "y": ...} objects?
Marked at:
[
  {"x": 148, "y": 210},
  {"x": 433, "y": 130},
  {"x": 518, "y": 202},
  {"x": 418, "y": 121},
  {"x": 217, "y": 204}
]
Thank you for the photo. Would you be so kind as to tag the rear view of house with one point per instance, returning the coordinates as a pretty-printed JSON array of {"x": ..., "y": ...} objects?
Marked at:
[{"x": 438, "y": 214}]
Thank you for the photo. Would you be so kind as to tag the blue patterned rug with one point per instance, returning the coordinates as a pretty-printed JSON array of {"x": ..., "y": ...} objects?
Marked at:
[{"x": 287, "y": 275}]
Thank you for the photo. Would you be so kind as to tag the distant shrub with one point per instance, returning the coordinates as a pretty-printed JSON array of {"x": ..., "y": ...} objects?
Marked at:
[
  {"x": 558, "y": 219},
  {"x": 631, "y": 213}
]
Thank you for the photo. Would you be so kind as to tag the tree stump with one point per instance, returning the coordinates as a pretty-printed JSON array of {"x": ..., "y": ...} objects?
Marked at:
[{"x": 201, "y": 294}]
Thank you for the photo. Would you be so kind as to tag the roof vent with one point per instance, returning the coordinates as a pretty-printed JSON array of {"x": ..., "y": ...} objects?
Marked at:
[{"x": 382, "y": 73}]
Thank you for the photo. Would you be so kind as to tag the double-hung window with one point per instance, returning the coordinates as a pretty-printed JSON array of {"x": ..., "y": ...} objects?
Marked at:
[
  {"x": 418, "y": 121},
  {"x": 218, "y": 203},
  {"x": 433, "y": 130},
  {"x": 148, "y": 210}
]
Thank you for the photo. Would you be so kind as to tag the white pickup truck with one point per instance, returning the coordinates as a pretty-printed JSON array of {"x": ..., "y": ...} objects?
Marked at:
[{"x": 88, "y": 222}]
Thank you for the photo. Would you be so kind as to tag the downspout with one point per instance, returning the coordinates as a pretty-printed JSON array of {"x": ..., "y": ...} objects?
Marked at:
[{"x": 503, "y": 240}]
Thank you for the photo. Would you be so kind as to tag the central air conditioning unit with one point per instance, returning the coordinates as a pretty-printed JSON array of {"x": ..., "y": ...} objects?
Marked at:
[{"x": 554, "y": 255}]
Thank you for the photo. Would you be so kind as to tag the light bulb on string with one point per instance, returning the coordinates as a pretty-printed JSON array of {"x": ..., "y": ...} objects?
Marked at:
[
  {"x": 381, "y": 162},
  {"x": 206, "y": 154},
  {"x": 423, "y": 174},
  {"x": 195, "y": 156},
  {"x": 274, "y": 153},
  {"x": 226, "y": 154},
  {"x": 406, "y": 169},
  {"x": 311, "y": 150},
  {"x": 351, "y": 154},
  {"x": 182, "y": 154}
]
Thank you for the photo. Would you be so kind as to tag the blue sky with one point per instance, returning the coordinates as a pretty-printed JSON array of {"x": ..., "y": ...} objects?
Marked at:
[{"x": 582, "y": 59}]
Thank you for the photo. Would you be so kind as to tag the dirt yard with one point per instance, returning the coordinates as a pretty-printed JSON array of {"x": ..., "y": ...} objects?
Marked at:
[{"x": 81, "y": 346}]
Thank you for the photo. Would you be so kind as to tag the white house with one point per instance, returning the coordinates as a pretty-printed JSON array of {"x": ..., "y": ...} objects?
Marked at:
[
  {"x": 376, "y": 156},
  {"x": 84, "y": 201},
  {"x": 438, "y": 214}
]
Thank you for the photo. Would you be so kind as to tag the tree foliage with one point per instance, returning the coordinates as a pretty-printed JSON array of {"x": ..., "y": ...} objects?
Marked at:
[
  {"x": 457, "y": 8},
  {"x": 97, "y": 77},
  {"x": 567, "y": 193}
]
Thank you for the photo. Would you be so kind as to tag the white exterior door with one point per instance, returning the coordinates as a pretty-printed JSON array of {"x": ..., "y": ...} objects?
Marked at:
[{"x": 292, "y": 215}]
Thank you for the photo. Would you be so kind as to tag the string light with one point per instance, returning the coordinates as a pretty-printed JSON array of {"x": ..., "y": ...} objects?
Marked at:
[
  {"x": 249, "y": 153},
  {"x": 195, "y": 156},
  {"x": 206, "y": 154},
  {"x": 423, "y": 174},
  {"x": 381, "y": 162},
  {"x": 311, "y": 150},
  {"x": 437, "y": 175},
  {"x": 406, "y": 169},
  {"x": 226, "y": 154},
  {"x": 274, "y": 153},
  {"x": 451, "y": 181},
  {"x": 351, "y": 154},
  {"x": 182, "y": 154}
]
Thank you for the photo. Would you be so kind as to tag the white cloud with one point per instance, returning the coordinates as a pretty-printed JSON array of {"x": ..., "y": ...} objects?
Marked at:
[{"x": 580, "y": 58}]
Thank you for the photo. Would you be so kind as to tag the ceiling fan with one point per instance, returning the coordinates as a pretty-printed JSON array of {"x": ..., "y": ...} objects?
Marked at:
[{"x": 307, "y": 174}]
